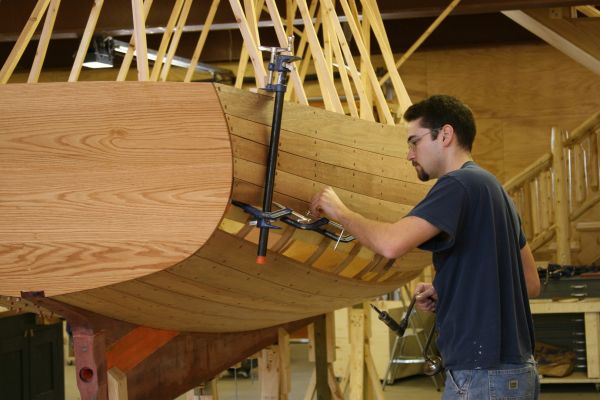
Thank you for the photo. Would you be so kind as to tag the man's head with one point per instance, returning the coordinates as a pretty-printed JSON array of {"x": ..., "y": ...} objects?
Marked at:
[
  {"x": 439, "y": 110},
  {"x": 439, "y": 128}
]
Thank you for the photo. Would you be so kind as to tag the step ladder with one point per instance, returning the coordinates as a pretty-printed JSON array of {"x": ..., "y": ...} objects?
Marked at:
[{"x": 416, "y": 329}]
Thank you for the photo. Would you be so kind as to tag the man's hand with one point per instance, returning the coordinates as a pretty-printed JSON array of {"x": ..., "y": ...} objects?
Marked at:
[
  {"x": 327, "y": 202},
  {"x": 426, "y": 297}
]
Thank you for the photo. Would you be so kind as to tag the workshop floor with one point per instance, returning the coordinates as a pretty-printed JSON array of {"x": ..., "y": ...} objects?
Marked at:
[{"x": 414, "y": 388}]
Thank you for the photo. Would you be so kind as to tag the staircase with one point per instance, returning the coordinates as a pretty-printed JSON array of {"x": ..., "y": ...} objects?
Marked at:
[{"x": 558, "y": 197}]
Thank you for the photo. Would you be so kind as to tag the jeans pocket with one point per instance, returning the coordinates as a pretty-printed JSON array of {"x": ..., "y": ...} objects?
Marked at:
[
  {"x": 459, "y": 381},
  {"x": 513, "y": 384}
]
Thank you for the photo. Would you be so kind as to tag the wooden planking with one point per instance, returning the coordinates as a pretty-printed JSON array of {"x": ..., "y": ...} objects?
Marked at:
[
  {"x": 350, "y": 176},
  {"x": 91, "y": 196},
  {"x": 322, "y": 149},
  {"x": 220, "y": 290},
  {"x": 333, "y": 127}
]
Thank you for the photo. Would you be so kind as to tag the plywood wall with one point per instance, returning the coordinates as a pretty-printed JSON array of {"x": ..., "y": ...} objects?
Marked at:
[{"x": 517, "y": 93}]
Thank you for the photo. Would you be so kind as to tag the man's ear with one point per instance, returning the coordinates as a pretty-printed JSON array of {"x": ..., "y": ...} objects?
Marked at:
[{"x": 448, "y": 134}]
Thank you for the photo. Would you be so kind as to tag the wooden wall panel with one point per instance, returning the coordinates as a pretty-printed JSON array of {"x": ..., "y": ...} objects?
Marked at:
[{"x": 517, "y": 92}]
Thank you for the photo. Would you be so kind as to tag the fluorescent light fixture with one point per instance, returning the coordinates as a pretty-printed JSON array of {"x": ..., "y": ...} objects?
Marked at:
[{"x": 100, "y": 53}]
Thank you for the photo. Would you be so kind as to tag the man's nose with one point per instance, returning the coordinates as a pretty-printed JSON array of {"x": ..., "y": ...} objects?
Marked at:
[{"x": 410, "y": 155}]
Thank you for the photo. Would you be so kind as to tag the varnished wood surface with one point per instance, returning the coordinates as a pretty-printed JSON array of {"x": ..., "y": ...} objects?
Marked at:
[{"x": 104, "y": 182}]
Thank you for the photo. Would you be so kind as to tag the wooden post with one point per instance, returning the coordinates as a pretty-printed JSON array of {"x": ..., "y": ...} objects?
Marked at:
[
  {"x": 563, "y": 250},
  {"x": 85, "y": 40},
  {"x": 592, "y": 343},
  {"x": 321, "y": 367},
  {"x": 268, "y": 372},
  {"x": 117, "y": 384},
  {"x": 357, "y": 356},
  {"x": 285, "y": 374}
]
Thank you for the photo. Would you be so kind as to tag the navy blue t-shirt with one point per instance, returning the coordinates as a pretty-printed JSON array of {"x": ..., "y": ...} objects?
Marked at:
[{"x": 483, "y": 314}]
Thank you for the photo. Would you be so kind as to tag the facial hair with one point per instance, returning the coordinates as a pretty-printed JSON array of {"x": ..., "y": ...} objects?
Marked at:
[{"x": 421, "y": 174}]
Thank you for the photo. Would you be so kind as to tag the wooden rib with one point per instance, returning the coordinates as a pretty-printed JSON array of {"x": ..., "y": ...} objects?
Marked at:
[
  {"x": 241, "y": 71},
  {"x": 201, "y": 41},
  {"x": 40, "y": 54},
  {"x": 23, "y": 40},
  {"x": 381, "y": 101},
  {"x": 345, "y": 81},
  {"x": 330, "y": 96},
  {"x": 251, "y": 46},
  {"x": 535, "y": 209},
  {"x": 85, "y": 40},
  {"x": 300, "y": 48},
  {"x": 251, "y": 17},
  {"x": 141, "y": 50},
  {"x": 423, "y": 37},
  {"x": 283, "y": 42},
  {"x": 371, "y": 8},
  {"x": 349, "y": 258},
  {"x": 126, "y": 63},
  {"x": 325, "y": 242},
  {"x": 366, "y": 107},
  {"x": 341, "y": 38},
  {"x": 284, "y": 240},
  {"x": 185, "y": 11},
  {"x": 166, "y": 38}
]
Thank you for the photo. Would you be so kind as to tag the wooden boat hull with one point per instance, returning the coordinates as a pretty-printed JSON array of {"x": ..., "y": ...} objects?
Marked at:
[{"x": 154, "y": 240}]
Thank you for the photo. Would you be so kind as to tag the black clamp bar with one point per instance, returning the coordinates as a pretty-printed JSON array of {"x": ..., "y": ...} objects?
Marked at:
[{"x": 279, "y": 63}]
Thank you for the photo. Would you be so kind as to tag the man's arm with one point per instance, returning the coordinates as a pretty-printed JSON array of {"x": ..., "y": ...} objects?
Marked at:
[
  {"x": 532, "y": 279},
  {"x": 391, "y": 240}
]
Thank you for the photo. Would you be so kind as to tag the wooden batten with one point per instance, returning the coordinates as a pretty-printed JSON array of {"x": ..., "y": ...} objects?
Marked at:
[
  {"x": 40, "y": 53},
  {"x": 201, "y": 41},
  {"x": 185, "y": 11},
  {"x": 128, "y": 57},
  {"x": 85, "y": 40},
  {"x": 15, "y": 55}
]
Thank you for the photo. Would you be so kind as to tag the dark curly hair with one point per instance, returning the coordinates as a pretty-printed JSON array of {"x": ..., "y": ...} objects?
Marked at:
[{"x": 439, "y": 110}]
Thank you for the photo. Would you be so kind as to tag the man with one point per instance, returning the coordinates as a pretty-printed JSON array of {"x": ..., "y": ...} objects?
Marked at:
[{"x": 485, "y": 270}]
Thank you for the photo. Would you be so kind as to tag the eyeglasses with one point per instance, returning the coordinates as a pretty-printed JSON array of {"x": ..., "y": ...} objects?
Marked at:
[{"x": 412, "y": 142}]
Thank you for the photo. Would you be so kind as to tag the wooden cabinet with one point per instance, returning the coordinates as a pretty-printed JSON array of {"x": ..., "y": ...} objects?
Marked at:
[
  {"x": 31, "y": 359},
  {"x": 590, "y": 309}
]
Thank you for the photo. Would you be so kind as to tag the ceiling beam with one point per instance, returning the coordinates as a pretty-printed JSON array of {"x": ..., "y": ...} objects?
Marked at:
[
  {"x": 578, "y": 38},
  {"x": 432, "y": 8}
]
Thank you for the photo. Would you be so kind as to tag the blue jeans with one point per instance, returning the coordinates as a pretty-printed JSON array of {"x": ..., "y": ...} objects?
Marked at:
[{"x": 508, "y": 381}]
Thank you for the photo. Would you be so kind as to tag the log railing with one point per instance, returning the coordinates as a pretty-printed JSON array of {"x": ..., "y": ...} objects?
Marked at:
[{"x": 559, "y": 187}]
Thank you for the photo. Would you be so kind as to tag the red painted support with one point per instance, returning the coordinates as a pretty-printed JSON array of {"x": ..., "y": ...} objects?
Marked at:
[{"x": 159, "y": 364}]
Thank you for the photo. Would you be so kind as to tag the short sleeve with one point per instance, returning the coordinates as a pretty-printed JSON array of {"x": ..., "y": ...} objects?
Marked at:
[{"x": 442, "y": 207}]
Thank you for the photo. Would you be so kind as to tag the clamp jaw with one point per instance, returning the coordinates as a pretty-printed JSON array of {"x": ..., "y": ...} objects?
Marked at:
[{"x": 280, "y": 63}]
